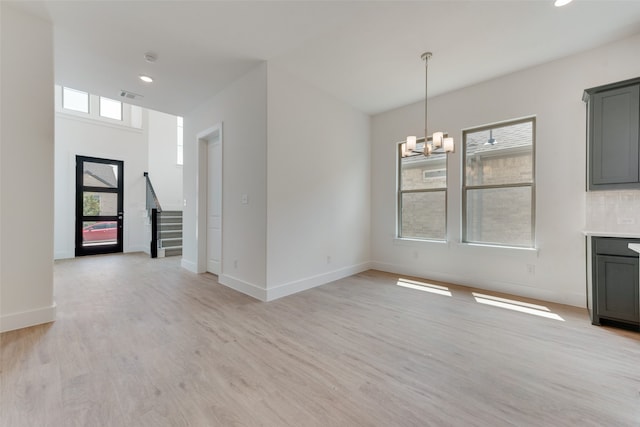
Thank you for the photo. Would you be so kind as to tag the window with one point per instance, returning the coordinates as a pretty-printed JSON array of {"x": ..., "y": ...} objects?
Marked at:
[
  {"x": 180, "y": 140},
  {"x": 422, "y": 196},
  {"x": 110, "y": 109},
  {"x": 75, "y": 100},
  {"x": 498, "y": 201}
]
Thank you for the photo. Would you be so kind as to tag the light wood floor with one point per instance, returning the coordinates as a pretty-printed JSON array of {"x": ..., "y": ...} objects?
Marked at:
[{"x": 142, "y": 342}]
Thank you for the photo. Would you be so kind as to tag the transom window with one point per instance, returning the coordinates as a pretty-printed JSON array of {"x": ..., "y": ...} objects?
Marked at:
[
  {"x": 499, "y": 184},
  {"x": 422, "y": 196},
  {"x": 110, "y": 109},
  {"x": 75, "y": 100}
]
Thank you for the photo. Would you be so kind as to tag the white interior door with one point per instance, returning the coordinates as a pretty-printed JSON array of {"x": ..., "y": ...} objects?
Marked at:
[{"x": 214, "y": 205}]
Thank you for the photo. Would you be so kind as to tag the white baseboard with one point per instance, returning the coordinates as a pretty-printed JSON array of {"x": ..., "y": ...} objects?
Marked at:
[
  {"x": 244, "y": 287},
  {"x": 13, "y": 321},
  {"x": 189, "y": 265},
  {"x": 137, "y": 248},
  {"x": 214, "y": 267},
  {"x": 576, "y": 300},
  {"x": 313, "y": 281},
  {"x": 63, "y": 255}
]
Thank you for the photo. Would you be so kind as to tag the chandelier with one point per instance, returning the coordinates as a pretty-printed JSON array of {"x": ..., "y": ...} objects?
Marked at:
[{"x": 438, "y": 142}]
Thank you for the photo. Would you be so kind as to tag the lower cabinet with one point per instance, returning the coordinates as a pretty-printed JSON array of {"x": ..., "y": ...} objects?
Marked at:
[{"x": 616, "y": 288}]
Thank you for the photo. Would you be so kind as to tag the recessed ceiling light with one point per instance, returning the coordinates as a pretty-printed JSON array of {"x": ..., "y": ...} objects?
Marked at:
[
  {"x": 145, "y": 79},
  {"x": 559, "y": 3}
]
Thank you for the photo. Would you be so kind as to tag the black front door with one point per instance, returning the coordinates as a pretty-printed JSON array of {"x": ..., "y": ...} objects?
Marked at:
[{"x": 99, "y": 200}]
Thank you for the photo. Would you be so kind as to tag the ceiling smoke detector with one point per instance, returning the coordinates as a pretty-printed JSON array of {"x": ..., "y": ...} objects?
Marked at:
[{"x": 150, "y": 57}]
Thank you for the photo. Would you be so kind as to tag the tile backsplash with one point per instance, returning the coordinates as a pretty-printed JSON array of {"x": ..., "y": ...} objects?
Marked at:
[{"x": 613, "y": 211}]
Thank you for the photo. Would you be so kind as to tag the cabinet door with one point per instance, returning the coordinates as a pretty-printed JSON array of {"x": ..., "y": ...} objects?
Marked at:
[
  {"x": 617, "y": 288},
  {"x": 615, "y": 117}
]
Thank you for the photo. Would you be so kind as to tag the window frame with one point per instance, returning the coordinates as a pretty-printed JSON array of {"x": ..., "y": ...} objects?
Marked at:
[
  {"x": 466, "y": 188},
  {"x": 400, "y": 192},
  {"x": 65, "y": 88}
]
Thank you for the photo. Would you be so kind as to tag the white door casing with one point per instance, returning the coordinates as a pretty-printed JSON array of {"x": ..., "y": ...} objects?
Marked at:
[{"x": 214, "y": 205}]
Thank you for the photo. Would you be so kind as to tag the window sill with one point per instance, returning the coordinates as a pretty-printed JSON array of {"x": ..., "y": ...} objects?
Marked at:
[
  {"x": 501, "y": 249},
  {"x": 404, "y": 241}
]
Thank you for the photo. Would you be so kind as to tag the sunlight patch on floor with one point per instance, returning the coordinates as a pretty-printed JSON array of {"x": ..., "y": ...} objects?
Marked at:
[
  {"x": 423, "y": 286},
  {"x": 515, "y": 305}
]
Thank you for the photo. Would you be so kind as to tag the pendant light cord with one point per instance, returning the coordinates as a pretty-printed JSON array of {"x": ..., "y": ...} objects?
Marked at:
[{"x": 426, "y": 57}]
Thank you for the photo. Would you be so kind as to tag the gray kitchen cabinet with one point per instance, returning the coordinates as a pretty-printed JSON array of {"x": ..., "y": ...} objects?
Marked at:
[
  {"x": 616, "y": 288},
  {"x": 613, "y": 135}
]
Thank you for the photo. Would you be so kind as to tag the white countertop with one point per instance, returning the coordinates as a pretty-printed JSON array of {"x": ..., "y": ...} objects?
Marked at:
[{"x": 628, "y": 235}]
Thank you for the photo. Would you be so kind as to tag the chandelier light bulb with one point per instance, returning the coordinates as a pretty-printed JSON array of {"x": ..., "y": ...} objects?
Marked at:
[
  {"x": 437, "y": 139},
  {"x": 411, "y": 143}
]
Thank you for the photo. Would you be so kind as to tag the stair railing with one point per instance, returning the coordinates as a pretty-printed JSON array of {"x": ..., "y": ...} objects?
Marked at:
[{"x": 154, "y": 208}]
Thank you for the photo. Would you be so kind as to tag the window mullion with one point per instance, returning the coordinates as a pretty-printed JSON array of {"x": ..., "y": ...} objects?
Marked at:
[{"x": 491, "y": 186}]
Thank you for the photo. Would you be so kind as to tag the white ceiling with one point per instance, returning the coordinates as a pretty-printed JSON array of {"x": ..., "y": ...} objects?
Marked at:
[{"x": 366, "y": 53}]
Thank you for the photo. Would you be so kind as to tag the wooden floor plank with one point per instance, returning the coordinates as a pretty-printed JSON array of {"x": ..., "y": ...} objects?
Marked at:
[{"x": 141, "y": 342}]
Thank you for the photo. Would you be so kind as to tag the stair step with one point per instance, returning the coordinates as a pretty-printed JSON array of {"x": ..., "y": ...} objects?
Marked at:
[
  {"x": 170, "y": 226},
  {"x": 173, "y": 251},
  {"x": 170, "y": 220},
  {"x": 169, "y": 234},
  {"x": 171, "y": 213},
  {"x": 170, "y": 243}
]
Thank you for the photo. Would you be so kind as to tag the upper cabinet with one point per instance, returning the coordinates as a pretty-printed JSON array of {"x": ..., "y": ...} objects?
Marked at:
[{"x": 613, "y": 131}]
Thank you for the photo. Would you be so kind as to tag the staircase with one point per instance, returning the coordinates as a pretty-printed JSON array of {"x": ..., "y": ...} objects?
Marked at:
[{"x": 169, "y": 233}]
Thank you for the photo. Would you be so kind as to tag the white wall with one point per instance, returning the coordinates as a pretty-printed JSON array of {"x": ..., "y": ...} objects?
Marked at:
[
  {"x": 165, "y": 173},
  {"x": 318, "y": 205},
  {"x": 75, "y": 135},
  {"x": 26, "y": 170},
  {"x": 242, "y": 110},
  {"x": 553, "y": 93}
]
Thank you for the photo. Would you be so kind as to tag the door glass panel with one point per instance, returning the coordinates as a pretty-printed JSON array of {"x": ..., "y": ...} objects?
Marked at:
[
  {"x": 99, "y": 204},
  {"x": 100, "y": 175},
  {"x": 99, "y": 199},
  {"x": 99, "y": 233}
]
